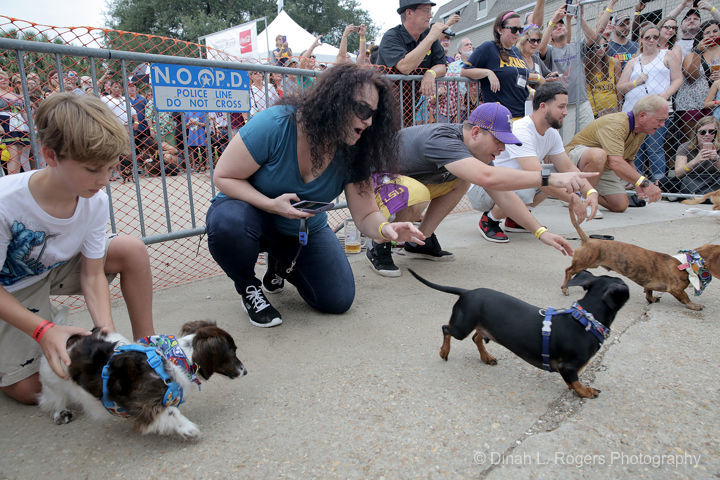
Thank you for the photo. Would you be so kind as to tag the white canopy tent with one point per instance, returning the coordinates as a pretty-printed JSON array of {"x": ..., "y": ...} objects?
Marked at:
[{"x": 298, "y": 39}]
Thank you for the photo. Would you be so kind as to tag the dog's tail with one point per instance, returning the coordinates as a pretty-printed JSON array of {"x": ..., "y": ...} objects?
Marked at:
[
  {"x": 573, "y": 201},
  {"x": 442, "y": 288},
  {"x": 698, "y": 201}
]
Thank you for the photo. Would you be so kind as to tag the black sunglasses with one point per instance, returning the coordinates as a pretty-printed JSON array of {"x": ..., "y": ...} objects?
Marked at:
[
  {"x": 707, "y": 132},
  {"x": 362, "y": 111},
  {"x": 534, "y": 40},
  {"x": 514, "y": 29}
]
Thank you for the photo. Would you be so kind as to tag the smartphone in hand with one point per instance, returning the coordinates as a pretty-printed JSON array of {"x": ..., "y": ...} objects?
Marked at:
[{"x": 313, "y": 207}]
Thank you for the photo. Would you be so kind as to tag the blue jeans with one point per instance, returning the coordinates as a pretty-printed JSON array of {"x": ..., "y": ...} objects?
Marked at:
[
  {"x": 653, "y": 148},
  {"x": 237, "y": 232}
]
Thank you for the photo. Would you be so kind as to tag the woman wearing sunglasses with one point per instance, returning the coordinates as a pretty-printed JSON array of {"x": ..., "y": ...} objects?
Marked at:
[
  {"x": 602, "y": 73},
  {"x": 317, "y": 144},
  {"x": 499, "y": 66},
  {"x": 697, "y": 164},
  {"x": 528, "y": 45},
  {"x": 652, "y": 71}
]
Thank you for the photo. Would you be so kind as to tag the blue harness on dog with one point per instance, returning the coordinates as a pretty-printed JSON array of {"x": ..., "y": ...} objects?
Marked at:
[
  {"x": 586, "y": 319},
  {"x": 173, "y": 396}
]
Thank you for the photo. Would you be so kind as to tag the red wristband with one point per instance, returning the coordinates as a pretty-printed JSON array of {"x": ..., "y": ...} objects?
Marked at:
[{"x": 41, "y": 329}]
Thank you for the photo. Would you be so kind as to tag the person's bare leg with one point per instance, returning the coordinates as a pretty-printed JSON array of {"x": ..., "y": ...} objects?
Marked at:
[
  {"x": 440, "y": 207},
  {"x": 25, "y": 391},
  {"x": 128, "y": 257}
]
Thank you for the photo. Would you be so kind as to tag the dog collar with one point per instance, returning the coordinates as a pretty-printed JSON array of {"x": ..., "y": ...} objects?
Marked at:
[
  {"x": 694, "y": 265},
  {"x": 169, "y": 347},
  {"x": 173, "y": 396},
  {"x": 586, "y": 319}
]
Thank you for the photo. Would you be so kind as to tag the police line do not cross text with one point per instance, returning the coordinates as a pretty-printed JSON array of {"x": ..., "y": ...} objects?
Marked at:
[{"x": 182, "y": 88}]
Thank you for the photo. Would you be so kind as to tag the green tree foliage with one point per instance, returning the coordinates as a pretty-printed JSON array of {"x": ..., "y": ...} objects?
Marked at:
[{"x": 190, "y": 19}]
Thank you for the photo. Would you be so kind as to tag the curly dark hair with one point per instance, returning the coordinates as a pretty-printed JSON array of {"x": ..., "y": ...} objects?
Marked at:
[{"x": 325, "y": 110}]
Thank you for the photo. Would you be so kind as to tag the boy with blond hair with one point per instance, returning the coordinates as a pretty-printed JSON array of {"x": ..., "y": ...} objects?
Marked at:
[{"x": 52, "y": 242}]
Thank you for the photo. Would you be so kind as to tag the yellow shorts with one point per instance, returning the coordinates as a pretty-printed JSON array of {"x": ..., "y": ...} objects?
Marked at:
[{"x": 417, "y": 193}]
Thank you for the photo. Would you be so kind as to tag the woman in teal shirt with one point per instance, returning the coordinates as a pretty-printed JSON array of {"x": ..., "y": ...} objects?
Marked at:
[{"x": 317, "y": 144}]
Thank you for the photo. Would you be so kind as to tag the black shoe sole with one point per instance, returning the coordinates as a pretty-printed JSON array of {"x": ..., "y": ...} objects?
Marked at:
[{"x": 428, "y": 256}]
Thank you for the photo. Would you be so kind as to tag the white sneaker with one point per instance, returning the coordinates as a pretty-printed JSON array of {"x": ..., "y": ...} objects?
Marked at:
[{"x": 598, "y": 215}]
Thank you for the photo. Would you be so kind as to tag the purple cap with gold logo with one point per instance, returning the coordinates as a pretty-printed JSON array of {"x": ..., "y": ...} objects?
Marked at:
[{"x": 496, "y": 119}]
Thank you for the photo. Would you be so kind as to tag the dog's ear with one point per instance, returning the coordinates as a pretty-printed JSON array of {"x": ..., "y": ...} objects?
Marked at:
[
  {"x": 616, "y": 295},
  {"x": 192, "y": 327},
  {"x": 711, "y": 257},
  {"x": 582, "y": 279}
]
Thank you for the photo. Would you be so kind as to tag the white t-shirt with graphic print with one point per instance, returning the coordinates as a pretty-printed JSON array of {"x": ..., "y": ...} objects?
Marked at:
[{"x": 32, "y": 242}]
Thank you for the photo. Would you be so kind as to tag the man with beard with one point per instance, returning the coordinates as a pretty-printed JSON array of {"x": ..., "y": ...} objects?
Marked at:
[
  {"x": 621, "y": 48},
  {"x": 437, "y": 164},
  {"x": 540, "y": 139}
]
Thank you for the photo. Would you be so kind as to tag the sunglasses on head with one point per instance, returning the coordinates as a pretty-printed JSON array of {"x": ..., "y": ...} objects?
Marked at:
[
  {"x": 711, "y": 131},
  {"x": 534, "y": 40},
  {"x": 600, "y": 46},
  {"x": 362, "y": 111},
  {"x": 514, "y": 29}
]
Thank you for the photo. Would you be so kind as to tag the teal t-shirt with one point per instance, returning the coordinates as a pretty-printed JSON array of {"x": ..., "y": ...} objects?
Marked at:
[{"x": 271, "y": 138}]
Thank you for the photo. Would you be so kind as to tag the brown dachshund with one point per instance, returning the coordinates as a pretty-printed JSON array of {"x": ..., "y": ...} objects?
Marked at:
[
  {"x": 654, "y": 271},
  {"x": 713, "y": 196}
]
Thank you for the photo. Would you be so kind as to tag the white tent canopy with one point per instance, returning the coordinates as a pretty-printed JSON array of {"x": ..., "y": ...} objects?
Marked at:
[{"x": 298, "y": 39}]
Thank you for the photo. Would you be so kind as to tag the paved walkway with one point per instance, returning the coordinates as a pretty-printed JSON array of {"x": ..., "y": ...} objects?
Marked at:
[{"x": 366, "y": 395}]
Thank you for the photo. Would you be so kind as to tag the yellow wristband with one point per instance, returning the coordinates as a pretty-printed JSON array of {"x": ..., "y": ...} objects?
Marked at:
[
  {"x": 608, "y": 10},
  {"x": 640, "y": 180},
  {"x": 540, "y": 231},
  {"x": 637, "y": 13},
  {"x": 713, "y": 9},
  {"x": 380, "y": 230},
  {"x": 687, "y": 169},
  {"x": 433, "y": 72},
  {"x": 590, "y": 192},
  {"x": 362, "y": 39},
  {"x": 634, "y": 84},
  {"x": 551, "y": 23}
]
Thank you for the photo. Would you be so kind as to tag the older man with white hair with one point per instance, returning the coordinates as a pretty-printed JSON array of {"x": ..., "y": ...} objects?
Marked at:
[{"x": 609, "y": 145}]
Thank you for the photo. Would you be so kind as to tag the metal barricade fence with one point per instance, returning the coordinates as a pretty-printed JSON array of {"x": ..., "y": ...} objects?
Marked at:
[{"x": 162, "y": 189}]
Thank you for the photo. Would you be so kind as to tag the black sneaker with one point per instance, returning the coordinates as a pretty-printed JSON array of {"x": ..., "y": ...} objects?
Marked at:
[
  {"x": 430, "y": 251},
  {"x": 261, "y": 313},
  {"x": 490, "y": 229},
  {"x": 272, "y": 282},
  {"x": 380, "y": 257}
]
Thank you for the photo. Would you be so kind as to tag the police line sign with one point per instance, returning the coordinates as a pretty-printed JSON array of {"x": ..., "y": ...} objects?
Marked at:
[{"x": 183, "y": 88}]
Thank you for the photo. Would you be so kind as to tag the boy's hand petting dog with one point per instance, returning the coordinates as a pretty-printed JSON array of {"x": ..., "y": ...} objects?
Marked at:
[{"x": 54, "y": 347}]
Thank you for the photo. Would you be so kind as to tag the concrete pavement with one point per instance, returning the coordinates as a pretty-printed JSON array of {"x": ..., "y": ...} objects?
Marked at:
[{"x": 366, "y": 395}]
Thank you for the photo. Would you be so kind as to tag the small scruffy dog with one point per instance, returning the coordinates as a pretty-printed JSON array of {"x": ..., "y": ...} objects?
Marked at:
[{"x": 144, "y": 381}]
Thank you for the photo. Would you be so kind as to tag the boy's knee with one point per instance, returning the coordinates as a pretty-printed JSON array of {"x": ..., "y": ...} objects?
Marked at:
[
  {"x": 25, "y": 391},
  {"x": 126, "y": 251}
]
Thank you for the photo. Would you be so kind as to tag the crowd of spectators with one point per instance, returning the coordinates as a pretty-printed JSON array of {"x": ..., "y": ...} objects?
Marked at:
[{"x": 616, "y": 61}]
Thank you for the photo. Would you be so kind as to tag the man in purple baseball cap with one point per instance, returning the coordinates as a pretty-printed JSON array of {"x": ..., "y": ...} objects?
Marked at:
[{"x": 438, "y": 163}]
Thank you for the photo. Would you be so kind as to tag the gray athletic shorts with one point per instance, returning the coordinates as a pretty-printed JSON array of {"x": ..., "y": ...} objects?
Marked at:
[{"x": 482, "y": 201}]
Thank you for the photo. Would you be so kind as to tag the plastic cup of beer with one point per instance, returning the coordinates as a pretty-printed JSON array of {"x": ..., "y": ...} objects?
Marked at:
[{"x": 352, "y": 237}]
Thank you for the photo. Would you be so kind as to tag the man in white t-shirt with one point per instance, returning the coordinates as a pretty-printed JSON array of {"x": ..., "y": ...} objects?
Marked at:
[{"x": 540, "y": 139}]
